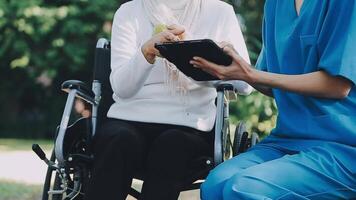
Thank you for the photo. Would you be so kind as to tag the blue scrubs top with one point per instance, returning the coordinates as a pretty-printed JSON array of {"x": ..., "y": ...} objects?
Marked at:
[{"x": 322, "y": 37}]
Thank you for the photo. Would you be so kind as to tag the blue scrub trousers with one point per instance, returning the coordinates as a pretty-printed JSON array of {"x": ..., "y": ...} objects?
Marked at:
[{"x": 268, "y": 172}]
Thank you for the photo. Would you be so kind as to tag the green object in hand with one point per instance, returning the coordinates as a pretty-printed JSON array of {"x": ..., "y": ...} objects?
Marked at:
[{"x": 159, "y": 28}]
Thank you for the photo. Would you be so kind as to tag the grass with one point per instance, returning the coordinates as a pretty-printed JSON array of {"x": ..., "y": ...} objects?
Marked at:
[
  {"x": 10, "y": 190},
  {"x": 23, "y": 144}
]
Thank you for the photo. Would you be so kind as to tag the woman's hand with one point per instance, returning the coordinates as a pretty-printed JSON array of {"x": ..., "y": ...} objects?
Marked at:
[
  {"x": 238, "y": 70},
  {"x": 170, "y": 35}
]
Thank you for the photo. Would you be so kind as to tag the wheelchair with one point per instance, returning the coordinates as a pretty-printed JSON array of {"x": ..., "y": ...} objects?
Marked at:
[{"x": 69, "y": 166}]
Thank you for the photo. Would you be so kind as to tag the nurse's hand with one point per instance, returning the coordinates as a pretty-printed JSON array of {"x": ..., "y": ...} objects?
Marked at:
[
  {"x": 315, "y": 84},
  {"x": 170, "y": 35},
  {"x": 238, "y": 70}
]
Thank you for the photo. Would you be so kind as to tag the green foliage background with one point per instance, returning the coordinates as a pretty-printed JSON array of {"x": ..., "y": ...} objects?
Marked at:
[{"x": 45, "y": 42}]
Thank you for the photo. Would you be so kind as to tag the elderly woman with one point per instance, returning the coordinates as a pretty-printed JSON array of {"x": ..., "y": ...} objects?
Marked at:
[
  {"x": 161, "y": 120},
  {"x": 308, "y": 65}
]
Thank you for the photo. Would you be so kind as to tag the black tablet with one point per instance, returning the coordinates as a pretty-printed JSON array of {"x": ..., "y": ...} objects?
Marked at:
[{"x": 182, "y": 52}]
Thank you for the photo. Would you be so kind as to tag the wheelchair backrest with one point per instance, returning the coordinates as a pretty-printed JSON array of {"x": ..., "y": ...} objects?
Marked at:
[{"x": 102, "y": 70}]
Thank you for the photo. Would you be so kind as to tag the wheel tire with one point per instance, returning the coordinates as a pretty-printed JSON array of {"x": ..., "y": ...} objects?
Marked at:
[
  {"x": 240, "y": 139},
  {"x": 48, "y": 179},
  {"x": 48, "y": 182}
]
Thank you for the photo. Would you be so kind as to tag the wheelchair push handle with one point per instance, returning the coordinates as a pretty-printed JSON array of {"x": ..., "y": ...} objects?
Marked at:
[
  {"x": 41, "y": 154},
  {"x": 38, "y": 150}
]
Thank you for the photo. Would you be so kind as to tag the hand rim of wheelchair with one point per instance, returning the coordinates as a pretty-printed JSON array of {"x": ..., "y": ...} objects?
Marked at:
[{"x": 242, "y": 141}]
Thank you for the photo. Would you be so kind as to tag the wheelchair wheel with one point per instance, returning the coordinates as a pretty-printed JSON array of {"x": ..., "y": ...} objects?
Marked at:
[
  {"x": 52, "y": 184},
  {"x": 56, "y": 185},
  {"x": 76, "y": 177},
  {"x": 240, "y": 141}
]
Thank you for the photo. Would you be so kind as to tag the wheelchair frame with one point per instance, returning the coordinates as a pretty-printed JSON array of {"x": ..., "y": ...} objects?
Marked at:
[{"x": 72, "y": 167}]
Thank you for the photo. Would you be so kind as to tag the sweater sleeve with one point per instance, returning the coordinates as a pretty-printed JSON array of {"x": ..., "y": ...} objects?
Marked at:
[
  {"x": 129, "y": 68},
  {"x": 235, "y": 37}
]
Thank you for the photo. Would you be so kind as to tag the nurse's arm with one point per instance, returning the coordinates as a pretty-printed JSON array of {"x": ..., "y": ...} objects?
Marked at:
[
  {"x": 316, "y": 84},
  {"x": 264, "y": 90}
]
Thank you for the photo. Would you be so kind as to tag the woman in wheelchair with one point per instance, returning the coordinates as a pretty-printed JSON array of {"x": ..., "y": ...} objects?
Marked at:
[
  {"x": 161, "y": 121},
  {"x": 308, "y": 65}
]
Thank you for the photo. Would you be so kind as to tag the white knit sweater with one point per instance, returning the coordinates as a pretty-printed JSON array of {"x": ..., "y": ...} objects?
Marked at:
[{"x": 140, "y": 92}]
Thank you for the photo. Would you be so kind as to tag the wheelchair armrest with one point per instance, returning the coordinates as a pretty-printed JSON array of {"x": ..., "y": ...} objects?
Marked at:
[
  {"x": 235, "y": 87},
  {"x": 84, "y": 91},
  {"x": 224, "y": 87}
]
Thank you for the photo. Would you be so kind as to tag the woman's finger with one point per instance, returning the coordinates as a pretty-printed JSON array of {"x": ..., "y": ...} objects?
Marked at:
[
  {"x": 157, "y": 53},
  {"x": 168, "y": 36},
  {"x": 176, "y": 29}
]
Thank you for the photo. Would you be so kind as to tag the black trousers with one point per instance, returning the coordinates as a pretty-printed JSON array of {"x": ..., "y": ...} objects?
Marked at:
[{"x": 165, "y": 153}]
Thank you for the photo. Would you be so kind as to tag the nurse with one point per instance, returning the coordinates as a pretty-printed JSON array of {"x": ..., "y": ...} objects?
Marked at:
[{"x": 308, "y": 65}]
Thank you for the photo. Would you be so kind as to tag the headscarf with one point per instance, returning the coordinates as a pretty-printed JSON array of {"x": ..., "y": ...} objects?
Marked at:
[{"x": 166, "y": 13}]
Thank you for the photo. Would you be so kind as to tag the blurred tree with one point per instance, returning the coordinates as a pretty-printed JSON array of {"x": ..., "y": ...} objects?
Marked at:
[{"x": 44, "y": 42}]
